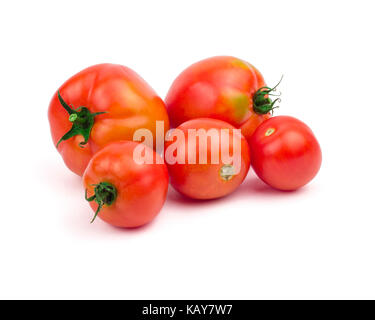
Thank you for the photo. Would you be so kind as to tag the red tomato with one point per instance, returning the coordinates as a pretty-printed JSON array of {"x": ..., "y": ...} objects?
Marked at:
[
  {"x": 99, "y": 105},
  {"x": 122, "y": 192},
  {"x": 224, "y": 88},
  {"x": 212, "y": 179},
  {"x": 285, "y": 153}
]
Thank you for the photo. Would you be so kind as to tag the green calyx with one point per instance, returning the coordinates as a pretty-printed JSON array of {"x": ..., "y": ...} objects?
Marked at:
[
  {"x": 82, "y": 121},
  {"x": 262, "y": 103},
  {"x": 104, "y": 193}
]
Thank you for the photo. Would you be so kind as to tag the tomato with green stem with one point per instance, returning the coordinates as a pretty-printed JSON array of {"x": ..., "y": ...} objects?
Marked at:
[
  {"x": 99, "y": 105},
  {"x": 122, "y": 191},
  {"x": 224, "y": 88},
  {"x": 285, "y": 153}
]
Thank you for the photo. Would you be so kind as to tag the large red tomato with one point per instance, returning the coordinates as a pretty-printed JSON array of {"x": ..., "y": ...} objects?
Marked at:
[
  {"x": 121, "y": 191},
  {"x": 224, "y": 88},
  {"x": 99, "y": 105},
  {"x": 215, "y": 176},
  {"x": 285, "y": 153}
]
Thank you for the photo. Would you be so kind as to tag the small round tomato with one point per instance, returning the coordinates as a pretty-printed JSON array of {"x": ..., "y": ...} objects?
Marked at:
[
  {"x": 99, "y": 105},
  {"x": 285, "y": 153},
  {"x": 224, "y": 88},
  {"x": 206, "y": 158},
  {"x": 122, "y": 191}
]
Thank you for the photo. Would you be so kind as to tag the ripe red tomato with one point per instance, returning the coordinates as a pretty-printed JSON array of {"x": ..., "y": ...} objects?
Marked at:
[
  {"x": 285, "y": 153},
  {"x": 216, "y": 177},
  {"x": 224, "y": 88},
  {"x": 99, "y": 105},
  {"x": 121, "y": 191}
]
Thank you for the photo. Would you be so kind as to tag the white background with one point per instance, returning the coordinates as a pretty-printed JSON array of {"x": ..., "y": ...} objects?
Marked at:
[{"x": 257, "y": 243}]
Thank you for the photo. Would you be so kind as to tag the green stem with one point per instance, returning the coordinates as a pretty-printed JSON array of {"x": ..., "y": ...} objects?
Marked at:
[
  {"x": 262, "y": 103},
  {"x": 104, "y": 193},
  {"x": 82, "y": 122}
]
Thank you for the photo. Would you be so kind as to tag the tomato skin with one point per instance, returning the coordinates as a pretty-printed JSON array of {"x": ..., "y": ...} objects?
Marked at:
[
  {"x": 218, "y": 87},
  {"x": 249, "y": 127},
  {"x": 129, "y": 102},
  {"x": 203, "y": 181},
  {"x": 285, "y": 153},
  {"x": 141, "y": 188}
]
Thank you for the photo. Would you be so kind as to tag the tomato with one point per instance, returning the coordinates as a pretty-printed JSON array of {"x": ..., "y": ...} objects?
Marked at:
[
  {"x": 121, "y": 191},
  {"x": 285, "y": 153},
  {"x": 215, "y": 177},
  {"x": 224, "y": 88},
  {"x": 99, "y": 105}
]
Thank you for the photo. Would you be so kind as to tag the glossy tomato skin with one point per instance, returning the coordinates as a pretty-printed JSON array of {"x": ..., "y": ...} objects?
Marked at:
[
  {"x": 141, "y": 188},
  {"x": 251, "y": 124},
  {"x": 205, "y": 181},
  {"x": 285, "y": 153},
  {"x": 218, "y": 87},
  {"x": 129, "y": 102}
]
